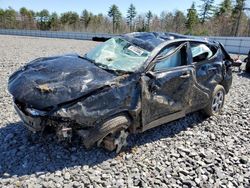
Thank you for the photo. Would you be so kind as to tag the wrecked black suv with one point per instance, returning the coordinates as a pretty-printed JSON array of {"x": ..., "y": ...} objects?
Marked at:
[{"x": 128, "y": 84}]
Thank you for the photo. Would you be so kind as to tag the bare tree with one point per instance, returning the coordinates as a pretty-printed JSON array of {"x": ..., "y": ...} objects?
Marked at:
[{"x": 237, "y": 12}]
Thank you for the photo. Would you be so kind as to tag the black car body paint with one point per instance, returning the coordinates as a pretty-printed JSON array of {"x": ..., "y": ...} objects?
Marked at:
[{"x": 71, "y": 91}]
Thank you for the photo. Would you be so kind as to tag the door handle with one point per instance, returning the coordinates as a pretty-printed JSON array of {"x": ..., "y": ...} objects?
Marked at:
[{"x": 185, "y": 75}]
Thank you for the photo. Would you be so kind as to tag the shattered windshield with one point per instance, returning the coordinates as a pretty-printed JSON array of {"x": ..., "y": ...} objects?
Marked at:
[{"x": 119, "y": 55}]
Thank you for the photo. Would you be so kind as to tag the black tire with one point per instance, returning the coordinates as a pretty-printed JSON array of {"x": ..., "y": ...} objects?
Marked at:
[
  {"x": 111, "y": 129},
  {"x": 248, "y": 66},
  {"x": 216, "y": 102},
  {"x": 117, "y": 122}
]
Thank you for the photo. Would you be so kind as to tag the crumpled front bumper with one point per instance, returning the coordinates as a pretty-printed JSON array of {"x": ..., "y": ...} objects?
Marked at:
[
  {"x": 64, "y": 130},
  {"x": 33, "y": 123}
]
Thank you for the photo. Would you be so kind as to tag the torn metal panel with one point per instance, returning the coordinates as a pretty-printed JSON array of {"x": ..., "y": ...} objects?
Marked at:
[
  {"x": 165, "y": 94},
  {"x": 93, "y": 109}
]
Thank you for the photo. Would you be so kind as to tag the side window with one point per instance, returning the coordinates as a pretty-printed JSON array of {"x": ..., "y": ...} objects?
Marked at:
[
  {"x": 176, "y": 59},
  {"x": 200, "y": 52}
]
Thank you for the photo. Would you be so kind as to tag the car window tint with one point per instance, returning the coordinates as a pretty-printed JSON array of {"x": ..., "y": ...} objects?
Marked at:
[
  {"x": 174, "y": 60},
  {"x": 198, "y": 49}
]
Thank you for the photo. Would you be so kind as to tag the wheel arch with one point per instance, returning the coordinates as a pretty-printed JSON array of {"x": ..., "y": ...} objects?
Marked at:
[
  {"x": 226, "y": 84},
  {"x": 98, "y": 132}
]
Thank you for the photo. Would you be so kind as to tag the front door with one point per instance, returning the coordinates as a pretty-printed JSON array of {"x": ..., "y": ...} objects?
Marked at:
[{"x": 166, "y": 88}]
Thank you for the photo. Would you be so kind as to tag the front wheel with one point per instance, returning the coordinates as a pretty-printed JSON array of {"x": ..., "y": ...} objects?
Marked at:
[
  {"x": 216, "y": 102},
  {"x": 116, "y": 137}
]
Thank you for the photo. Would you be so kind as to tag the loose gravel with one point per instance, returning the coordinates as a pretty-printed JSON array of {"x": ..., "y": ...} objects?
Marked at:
[{"x": 190, "y": 152}]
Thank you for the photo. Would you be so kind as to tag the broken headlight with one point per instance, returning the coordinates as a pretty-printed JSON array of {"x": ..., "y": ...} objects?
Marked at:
[{"x": 35, "y": 112}]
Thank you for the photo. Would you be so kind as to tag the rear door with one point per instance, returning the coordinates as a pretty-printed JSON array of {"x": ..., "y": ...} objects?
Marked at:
[
  {"x": 208, "y": 73},
  {"x": 166, "y": 87}
]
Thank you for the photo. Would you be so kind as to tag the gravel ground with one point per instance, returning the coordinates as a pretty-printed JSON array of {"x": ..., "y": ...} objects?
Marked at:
[{"x": 190, "y": 152}]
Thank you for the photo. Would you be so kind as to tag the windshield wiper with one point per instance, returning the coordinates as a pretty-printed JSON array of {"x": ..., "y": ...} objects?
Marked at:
[
  {"x": 85, "y": 57},
  {"x": 101, "y": 65}
]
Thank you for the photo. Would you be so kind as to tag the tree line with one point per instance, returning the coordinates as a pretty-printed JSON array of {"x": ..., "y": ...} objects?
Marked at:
[{"x": 229, "y": 18}]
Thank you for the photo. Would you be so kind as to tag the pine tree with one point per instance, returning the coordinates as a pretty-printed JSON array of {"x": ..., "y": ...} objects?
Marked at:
[
  {"x": 131, "y": 14},
  {"x": 222, "y": 19},
  {"x": 224, "y": 8},
  {"x": 26, "y": 18},
  {"x": 192, "y": 18},
  {"x": 69, "y": 17},
  {"x": 10, "y": 18},
  {"x": 229, "y": 19},
  {"x": 24, "y": 12},
  {"x": 116, "y": 15},
  {"x": 86, "y": 18},
  {"x": 54, "y": 21},
  {"x": 140, "y": 22},
  {"x": 70, "y": 20},
  {"x": 206, "y": 10},
  {"x": 2, "y": 14},
  {"x": 43, "y": 16},
  {"x": 149, "y": 16}
]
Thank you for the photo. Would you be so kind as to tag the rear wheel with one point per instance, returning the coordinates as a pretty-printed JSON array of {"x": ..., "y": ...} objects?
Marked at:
[
  {"x": 248, "y": 66},
  {"x": 216, "y": 102}
]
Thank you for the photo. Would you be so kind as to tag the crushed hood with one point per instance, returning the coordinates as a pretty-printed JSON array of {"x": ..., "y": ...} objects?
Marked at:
[{"x": 47, "y": 82}]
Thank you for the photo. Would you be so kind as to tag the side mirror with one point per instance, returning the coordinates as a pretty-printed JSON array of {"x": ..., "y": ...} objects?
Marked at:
[{"x": 228, "y": 63}]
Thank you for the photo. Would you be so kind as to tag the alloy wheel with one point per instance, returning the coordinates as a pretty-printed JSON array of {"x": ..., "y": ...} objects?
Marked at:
[{"x": 218, "y": 100}]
